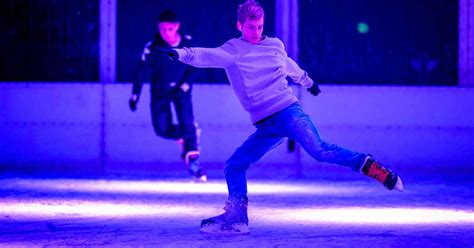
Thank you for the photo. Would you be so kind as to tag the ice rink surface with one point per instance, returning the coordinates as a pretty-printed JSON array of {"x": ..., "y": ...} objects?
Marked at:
[{"x": 166, "y": 212}]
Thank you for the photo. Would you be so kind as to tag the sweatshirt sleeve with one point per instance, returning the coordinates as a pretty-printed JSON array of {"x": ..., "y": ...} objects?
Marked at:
[
  {"x": 297, "y": 74},
  {"x": 219, "y": 57},
  {"x": 143, "y": 70}
]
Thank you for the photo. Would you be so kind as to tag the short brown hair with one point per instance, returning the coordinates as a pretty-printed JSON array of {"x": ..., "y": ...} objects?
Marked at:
[{"x": 250, "y": 10}]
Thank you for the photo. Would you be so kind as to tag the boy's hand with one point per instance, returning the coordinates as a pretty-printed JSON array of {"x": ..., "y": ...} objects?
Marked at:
[
  {"x": 132, "y": 102},
  {"x": 169, "y": 52},
  {"x": 314, "y": 89}
]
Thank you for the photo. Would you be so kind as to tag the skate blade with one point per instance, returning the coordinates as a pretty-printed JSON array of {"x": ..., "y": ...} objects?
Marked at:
[
  {"x": 399, "y": 185},
  {"x": 201, "y": 179},
  {"x": 237, "y": 229}
]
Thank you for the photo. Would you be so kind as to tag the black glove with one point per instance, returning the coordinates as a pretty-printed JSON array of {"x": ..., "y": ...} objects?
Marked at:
[
  {"x": 132, "y": 103},
  {"x": 314, "y": 89},
  {"x": 171, "y": 53}
]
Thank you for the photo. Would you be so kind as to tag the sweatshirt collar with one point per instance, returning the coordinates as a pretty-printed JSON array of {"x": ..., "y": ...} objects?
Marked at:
[{"x": 264, "y": 37}]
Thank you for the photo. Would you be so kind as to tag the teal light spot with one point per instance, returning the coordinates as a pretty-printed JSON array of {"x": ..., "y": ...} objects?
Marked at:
[{"x": 362, "y": 27}]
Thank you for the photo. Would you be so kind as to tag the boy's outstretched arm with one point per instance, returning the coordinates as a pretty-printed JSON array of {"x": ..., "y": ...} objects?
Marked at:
[
  {"x": 170, "y": 52},
  {"x": 142, "y": 74},
  {"x": 219, "y": 57},
  {"x": 300, "y": 76}
]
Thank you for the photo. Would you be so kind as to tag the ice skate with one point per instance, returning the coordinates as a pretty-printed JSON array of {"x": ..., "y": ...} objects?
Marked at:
[
  {"x": 191, "y": 159},
  {"x": 388, "y": 178},
  {"x": 233, "y": 222},
  {"x": 198, "y": 135},
  {"x": 181, "y": 142}
]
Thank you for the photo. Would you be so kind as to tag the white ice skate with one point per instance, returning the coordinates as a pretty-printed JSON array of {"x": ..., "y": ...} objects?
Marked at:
[
  {"x": 191, "y": 160},
  {"x": 200, "y": 179},
  {"x": 233, "y": 222},
  {"x": 221, "y": 229}
]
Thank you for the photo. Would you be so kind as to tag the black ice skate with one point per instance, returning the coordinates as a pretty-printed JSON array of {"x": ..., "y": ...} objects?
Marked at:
[
  {"x": 382, "y": 174},
  {"x": 234, "y": 221},
  {"x": 191, "y": 159}
]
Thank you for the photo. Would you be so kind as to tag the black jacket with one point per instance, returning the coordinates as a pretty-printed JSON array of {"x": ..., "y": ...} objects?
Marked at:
[{"x": 161, "y": 71}]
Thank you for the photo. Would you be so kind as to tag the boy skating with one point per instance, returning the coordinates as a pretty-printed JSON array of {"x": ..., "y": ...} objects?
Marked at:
[
  {"x": 257, "y": 67},
  {"x": 170, "y": 83}
]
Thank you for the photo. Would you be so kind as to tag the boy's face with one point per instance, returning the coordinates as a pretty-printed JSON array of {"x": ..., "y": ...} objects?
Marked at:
[
  {"x": 251, "y": 30},
  {"x": 169, "y": 31}
]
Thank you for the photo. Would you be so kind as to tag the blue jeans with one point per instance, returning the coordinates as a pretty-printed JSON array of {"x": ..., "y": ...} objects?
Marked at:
[
  {"x": 162, "y": 121},
  {"x": 290, "y": 122}
]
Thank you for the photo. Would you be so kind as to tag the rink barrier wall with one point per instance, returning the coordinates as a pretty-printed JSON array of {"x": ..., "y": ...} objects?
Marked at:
[{"x": 87, "y": 129}]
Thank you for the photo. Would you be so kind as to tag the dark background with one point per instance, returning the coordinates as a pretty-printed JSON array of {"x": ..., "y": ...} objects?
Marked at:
[
  {"x": 49, "y": 40},
  {"x": 209, "y": 22},
  {"x": 408, "y": 42}
]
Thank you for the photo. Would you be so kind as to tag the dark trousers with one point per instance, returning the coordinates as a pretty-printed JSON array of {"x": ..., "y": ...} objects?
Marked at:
[{"x": 161, "y": 117}]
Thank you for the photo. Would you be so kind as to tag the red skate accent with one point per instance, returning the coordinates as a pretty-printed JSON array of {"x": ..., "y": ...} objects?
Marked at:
[
  {"x": 378, "y": 171},
  {"x": 191, "y": 155}
]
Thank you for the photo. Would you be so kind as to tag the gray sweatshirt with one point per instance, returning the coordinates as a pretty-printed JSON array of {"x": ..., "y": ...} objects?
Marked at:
[{"x": 257, "y": 73}]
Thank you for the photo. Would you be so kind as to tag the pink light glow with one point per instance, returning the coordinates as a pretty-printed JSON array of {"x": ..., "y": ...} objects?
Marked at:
[
  {"x": 361, "y": 215},
  {"x": 61, "y": 205},
  {"x": 77, "y": 208},
  {"x": 345, "y": 216},
  {"x": 181, "y": 187}
]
